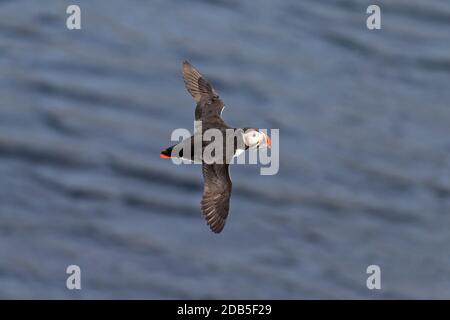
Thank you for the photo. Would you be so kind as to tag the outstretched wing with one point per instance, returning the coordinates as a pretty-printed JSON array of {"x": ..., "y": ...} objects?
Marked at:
[
  {"x": 209, "y": 104},
  {"x": 216, "y": 195},
  {"x": 191, "y": 78}
]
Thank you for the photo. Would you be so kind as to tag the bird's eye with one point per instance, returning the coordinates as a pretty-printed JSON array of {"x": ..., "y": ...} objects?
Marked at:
[{"x": 254, "y": 135}]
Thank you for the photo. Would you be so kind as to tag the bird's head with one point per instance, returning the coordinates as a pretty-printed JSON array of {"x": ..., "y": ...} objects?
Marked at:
[{"x": 254, "y": 138}]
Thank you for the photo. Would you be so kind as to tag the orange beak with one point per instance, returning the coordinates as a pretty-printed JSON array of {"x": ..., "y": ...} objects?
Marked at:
[{"x": 268, "y": 141}]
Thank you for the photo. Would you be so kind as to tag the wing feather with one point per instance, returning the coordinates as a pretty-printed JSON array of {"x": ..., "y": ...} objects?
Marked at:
[
  {"x": 216, "y": 195},
  {"x": 195, "y": 83},
  {"x": 209, "y": 104}
]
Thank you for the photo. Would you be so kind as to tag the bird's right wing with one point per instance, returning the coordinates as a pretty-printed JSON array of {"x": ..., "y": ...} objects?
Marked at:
[{"x": 216, "y": 195}]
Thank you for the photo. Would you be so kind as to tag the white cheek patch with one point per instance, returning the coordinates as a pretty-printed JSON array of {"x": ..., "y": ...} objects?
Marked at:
[
  {"x": 251, "y": 140},
  {"x": 261, "y": 139}
]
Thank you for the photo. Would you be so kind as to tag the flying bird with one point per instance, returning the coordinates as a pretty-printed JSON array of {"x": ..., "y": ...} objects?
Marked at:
[{"x": 215, "y": 203}]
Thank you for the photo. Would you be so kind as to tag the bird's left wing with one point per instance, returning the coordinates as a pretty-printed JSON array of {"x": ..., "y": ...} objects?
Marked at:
[{"x": 216, "y": 195}]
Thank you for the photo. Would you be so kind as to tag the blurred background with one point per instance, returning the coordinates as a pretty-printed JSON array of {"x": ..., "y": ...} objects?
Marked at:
[{"x": 364, "y": 145}]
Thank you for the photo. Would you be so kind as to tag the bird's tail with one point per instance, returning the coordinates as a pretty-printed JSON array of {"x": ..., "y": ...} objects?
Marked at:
[
  {"x": 182, "y": 150},
  {"x": 167, "y": 153}
]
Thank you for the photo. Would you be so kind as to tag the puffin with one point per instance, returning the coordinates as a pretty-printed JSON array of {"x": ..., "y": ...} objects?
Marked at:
[{"x": 215, "y": 203}]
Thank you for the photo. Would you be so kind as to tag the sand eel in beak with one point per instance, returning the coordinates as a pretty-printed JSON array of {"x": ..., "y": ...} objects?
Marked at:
[{"x": 217, "y": 183}]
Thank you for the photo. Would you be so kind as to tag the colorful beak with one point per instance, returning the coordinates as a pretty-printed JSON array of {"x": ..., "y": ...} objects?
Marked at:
[
  {"x": 164, "y": 156},
  {"x": 268, "y": 141}
]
